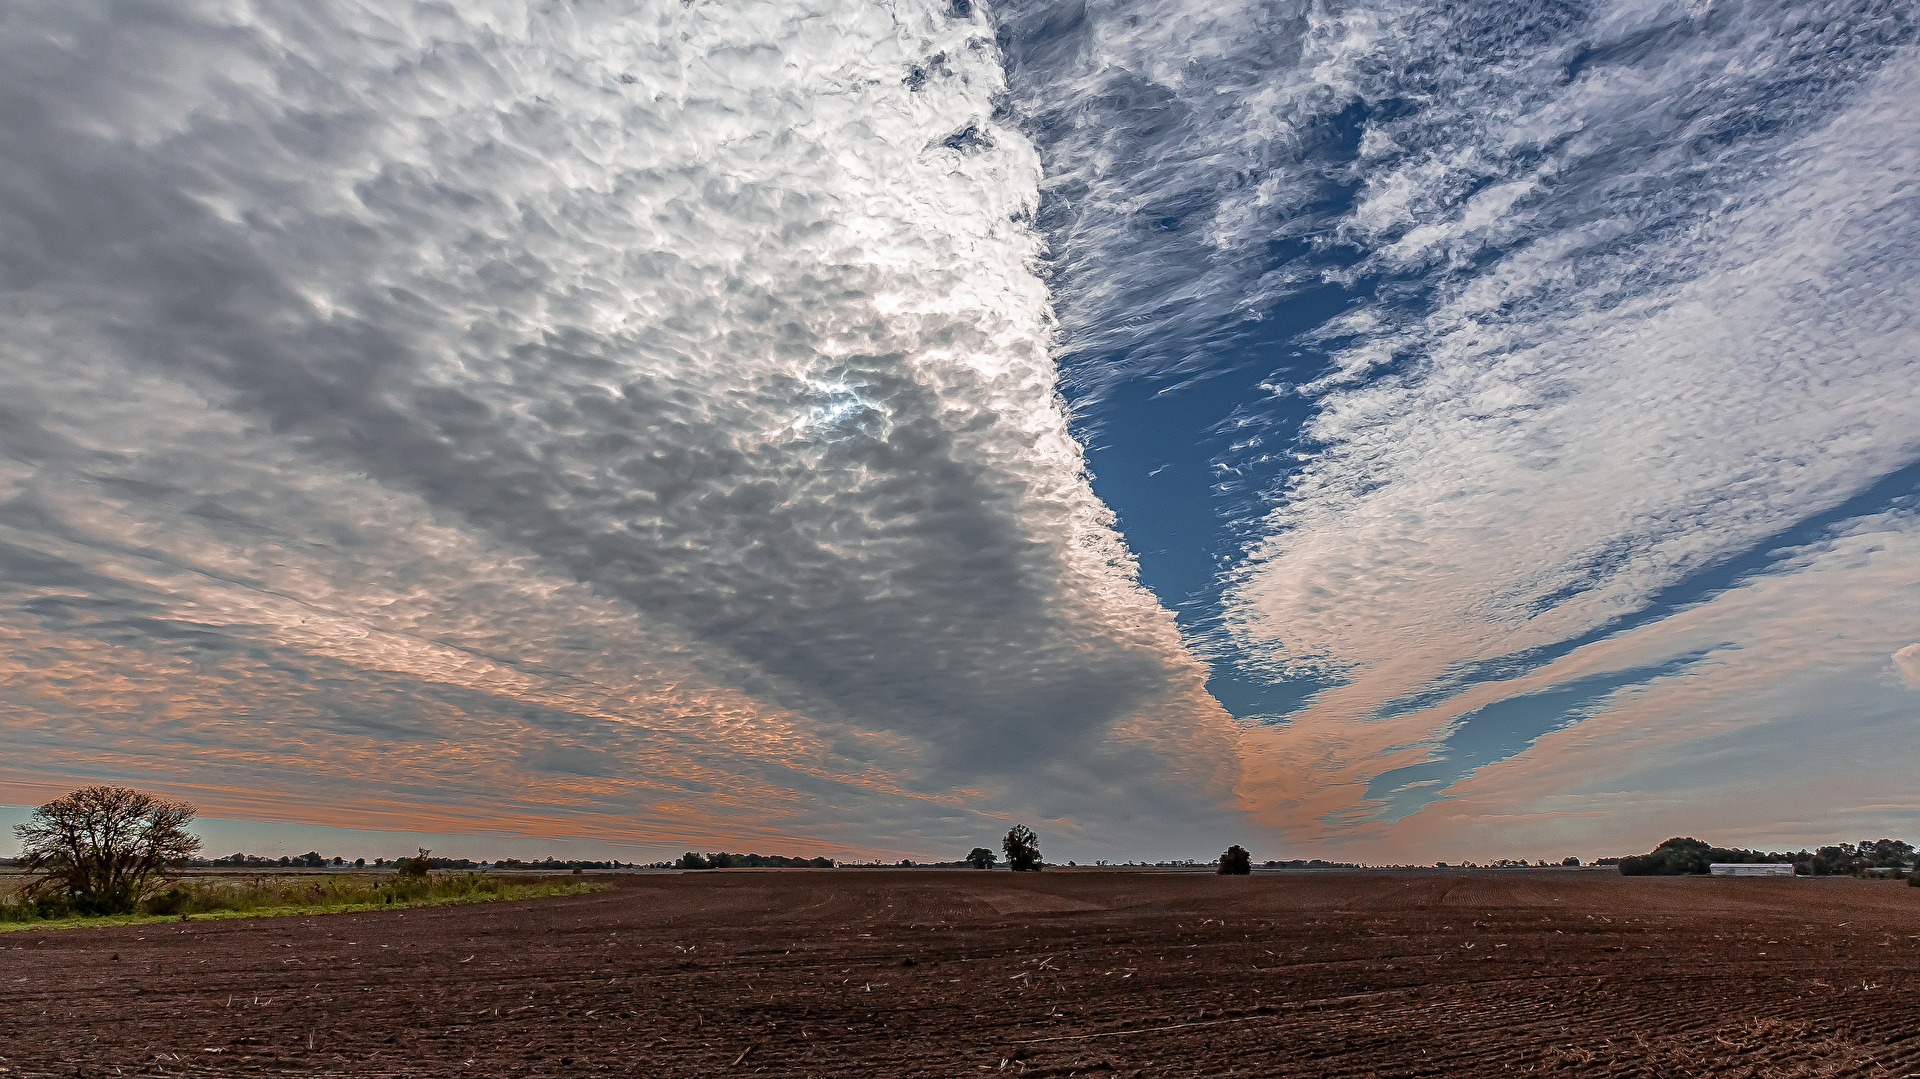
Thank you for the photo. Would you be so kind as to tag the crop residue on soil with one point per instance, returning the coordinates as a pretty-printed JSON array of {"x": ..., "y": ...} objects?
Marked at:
[{"x": 909, "y": 973}]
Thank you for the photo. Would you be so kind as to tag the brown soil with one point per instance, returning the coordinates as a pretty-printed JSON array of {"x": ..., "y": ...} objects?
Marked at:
[{"x": 954, "y": 973}]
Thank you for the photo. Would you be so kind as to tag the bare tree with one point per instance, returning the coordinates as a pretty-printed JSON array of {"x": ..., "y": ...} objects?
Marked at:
[{"x": 104, "y": 849}]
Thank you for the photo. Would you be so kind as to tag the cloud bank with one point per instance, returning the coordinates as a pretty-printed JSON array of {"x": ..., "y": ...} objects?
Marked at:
[{"x": 651, "y": 397}]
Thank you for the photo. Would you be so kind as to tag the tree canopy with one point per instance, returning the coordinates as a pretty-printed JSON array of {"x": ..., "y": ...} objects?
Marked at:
[
  {"x": 1023, "y": 849},
  {"x": 1685, "y": 854},
  {"x": 102, "y": 849}
]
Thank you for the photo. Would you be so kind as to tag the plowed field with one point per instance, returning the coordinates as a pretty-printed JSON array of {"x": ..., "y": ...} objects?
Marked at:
[{"x": 937, "y": 973}]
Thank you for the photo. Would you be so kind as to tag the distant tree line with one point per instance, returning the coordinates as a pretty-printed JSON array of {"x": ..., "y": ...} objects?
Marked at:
[
  {"x": 977, "y": 858},
  {"x": 723, "y": 860},
  {"x": 309, "y": 860},
  {"x": 551, "y": 865},
  {"x": 316, "y": 860},
  {"x": 1683, "y": 855}
]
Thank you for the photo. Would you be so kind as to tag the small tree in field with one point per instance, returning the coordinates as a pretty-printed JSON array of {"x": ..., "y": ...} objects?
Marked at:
[
  {"x": 1236, "y": 861},
  {"x": 980, "y": 858},
  {"x": 1023, "y": 849},
  {"x": 416, "y": 866},
  {"x": 104, "y": 849}
]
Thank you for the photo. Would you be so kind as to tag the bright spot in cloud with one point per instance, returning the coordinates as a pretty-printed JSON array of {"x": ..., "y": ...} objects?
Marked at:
[{"x": 1907, "y": 662}]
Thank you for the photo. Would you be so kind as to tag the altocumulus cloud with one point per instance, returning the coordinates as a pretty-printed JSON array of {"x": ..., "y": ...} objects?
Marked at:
[{"x": 642, "y": 413}]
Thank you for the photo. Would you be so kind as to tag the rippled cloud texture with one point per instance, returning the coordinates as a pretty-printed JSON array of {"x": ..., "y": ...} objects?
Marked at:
[
  {"x": 608, "y": 417},
  {"x": 671, "y": 422}
]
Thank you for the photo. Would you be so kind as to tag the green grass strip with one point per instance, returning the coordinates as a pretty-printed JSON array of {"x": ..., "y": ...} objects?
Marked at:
[{"x": 259, "y": 902}]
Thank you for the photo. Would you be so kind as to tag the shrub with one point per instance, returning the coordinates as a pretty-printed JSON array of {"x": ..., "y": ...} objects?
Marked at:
[
  {"x": 236, "y": 895},
  {"x": 1236, "y": 862},
  {"x": 172, "y": 901},
  {"x": 981, "y": 858},
  {"x": 1676, "y": 856},
  {"x": 35, "y": 908},
  {"x": 416, "y": 866},
  {"x": 101, "y": 850}
]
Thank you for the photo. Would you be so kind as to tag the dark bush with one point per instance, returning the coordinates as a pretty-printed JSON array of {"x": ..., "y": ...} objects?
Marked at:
[
  {"x": 1685, "y": 855},
  {"x": 174, "y": 900},
  {"x": 1677, "y": 856},
  {"x": 36, "y": 908},
  {"x": 1022, "y": 847},
  {"x": 1236, "y": 861}
]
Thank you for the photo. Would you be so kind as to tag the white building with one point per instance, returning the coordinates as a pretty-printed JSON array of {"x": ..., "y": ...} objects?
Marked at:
[{"x": 1751, "y": 869}]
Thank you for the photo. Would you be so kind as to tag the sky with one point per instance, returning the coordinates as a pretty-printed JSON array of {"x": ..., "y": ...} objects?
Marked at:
[{"x": 1383, "y": 431}]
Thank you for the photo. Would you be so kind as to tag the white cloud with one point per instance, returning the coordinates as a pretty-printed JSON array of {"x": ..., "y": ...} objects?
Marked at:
[
  {"x": 1548, "y": 469},
  {"x": 1634, "y": 287},
  {"x": 1755, "y": 740},
  {"x": 1759, "y": 743},
  {"x": 699, "y": 340},
  {"x": 1189, "y": 146},
  {"x": 1181, "y": 140}
]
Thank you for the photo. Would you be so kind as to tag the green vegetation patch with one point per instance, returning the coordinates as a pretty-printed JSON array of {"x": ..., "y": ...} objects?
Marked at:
[
  {"x": 258, "y": 897},
  {"x": 1683, "y": 855}
]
